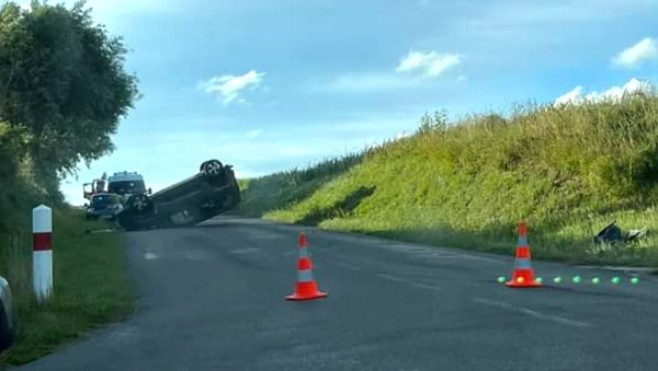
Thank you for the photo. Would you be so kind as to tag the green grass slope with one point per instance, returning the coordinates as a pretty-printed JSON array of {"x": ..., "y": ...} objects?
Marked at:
[
  {"x": 91, "y": 285},
  {"x": 568, "y": 171}
]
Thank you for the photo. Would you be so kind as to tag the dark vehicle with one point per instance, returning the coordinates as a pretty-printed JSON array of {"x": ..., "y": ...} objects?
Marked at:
[
  {"x": 104, "y": 205},
  {"x": 212, "y": 191},
  {"x": 7, "y": 329}
]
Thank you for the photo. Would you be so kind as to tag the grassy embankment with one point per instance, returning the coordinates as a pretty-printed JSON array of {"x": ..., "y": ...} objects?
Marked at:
[
  {"x": 91, "y": 287},
  {"x": 568, "y": 171}
]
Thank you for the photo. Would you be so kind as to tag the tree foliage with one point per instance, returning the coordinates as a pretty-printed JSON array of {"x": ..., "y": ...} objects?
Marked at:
[
  {"x": 12, "y": 147},
  {"x": 62, "y": 78}
]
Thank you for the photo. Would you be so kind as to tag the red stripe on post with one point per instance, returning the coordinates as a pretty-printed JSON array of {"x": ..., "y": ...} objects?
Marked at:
[{"x": 42, "y": 241}]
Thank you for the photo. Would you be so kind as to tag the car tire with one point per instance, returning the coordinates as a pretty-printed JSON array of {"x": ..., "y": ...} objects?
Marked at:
[
  {"x": 6, "y": 330},
  {"x": 212, "y": 168},
  {"x": 141, "y": 203}
]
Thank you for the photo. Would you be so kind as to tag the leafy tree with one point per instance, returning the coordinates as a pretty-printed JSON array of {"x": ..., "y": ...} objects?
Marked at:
[
  {"x": 11, "y": 150},
  {"x": 62, "y": 78}
]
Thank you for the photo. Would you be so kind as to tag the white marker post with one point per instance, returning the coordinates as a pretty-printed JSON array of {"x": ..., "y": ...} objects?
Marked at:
[{"x": 42, "y": 258}]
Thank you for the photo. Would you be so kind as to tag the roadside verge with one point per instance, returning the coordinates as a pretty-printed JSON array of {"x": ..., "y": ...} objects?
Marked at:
[{"x": 91, "y": 285}]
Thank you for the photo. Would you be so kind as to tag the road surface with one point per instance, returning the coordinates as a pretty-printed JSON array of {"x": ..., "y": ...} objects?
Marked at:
[{"x": 213, "y": 299}]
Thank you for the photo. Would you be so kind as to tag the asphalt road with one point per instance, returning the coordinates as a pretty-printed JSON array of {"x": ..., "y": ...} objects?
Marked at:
[{"x": 213, "y": 299}]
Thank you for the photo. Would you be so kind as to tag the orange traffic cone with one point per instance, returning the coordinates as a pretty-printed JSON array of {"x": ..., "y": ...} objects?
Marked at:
[
  {"x": 524, "y": 275},
  {"x": 306, "y": 287}
]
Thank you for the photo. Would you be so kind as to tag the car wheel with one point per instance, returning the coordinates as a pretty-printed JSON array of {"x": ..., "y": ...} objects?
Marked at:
[
  {"x": 141, "y": 203},
  {"x": 212, "y": 168}
]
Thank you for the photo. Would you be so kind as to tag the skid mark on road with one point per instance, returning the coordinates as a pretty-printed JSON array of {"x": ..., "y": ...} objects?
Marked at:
[{"x": 532, "y": 313}]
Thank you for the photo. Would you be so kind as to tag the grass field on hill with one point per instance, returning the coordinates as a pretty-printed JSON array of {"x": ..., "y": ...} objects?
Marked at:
[
  {"x": 91, "y": 285},
  {"x": 567, "y": 170}
]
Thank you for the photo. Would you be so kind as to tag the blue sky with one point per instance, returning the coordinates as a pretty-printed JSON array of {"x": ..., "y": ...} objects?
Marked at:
[{"x": 273, "y": 85}]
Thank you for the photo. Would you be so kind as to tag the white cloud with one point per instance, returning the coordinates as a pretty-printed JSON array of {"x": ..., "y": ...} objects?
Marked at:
[
  {"x": 570, "y": 96},
  {"x": 614, "y": 93},
  {"x": 229, "y": 87},
  {"x": 254, "y": 133},
  {"x": 431, "y": 64},
  {"x": 401, "y": 135},
  {"x": 428, "y": 64},
  {"x": 645, "y": 49}
]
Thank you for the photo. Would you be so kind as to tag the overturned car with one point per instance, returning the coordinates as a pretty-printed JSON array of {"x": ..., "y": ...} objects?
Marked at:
[{"x": 210, "y": 192}]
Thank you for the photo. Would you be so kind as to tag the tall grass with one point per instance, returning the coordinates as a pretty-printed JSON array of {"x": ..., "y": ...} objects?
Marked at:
[
  {"x": 90, "y": 283},
  {"x": 567, "y": 170},
  {"x": 91, "y": 286},
  {"x": 286, "y": 188}
]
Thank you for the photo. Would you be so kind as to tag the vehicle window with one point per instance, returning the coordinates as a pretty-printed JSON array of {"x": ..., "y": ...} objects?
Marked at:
[
  {"x": 104, "y": 200},
  {"x": 123, "y": 188}
]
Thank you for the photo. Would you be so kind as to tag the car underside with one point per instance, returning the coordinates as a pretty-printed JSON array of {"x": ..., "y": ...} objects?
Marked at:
[{"x": 210, "y": 192}]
